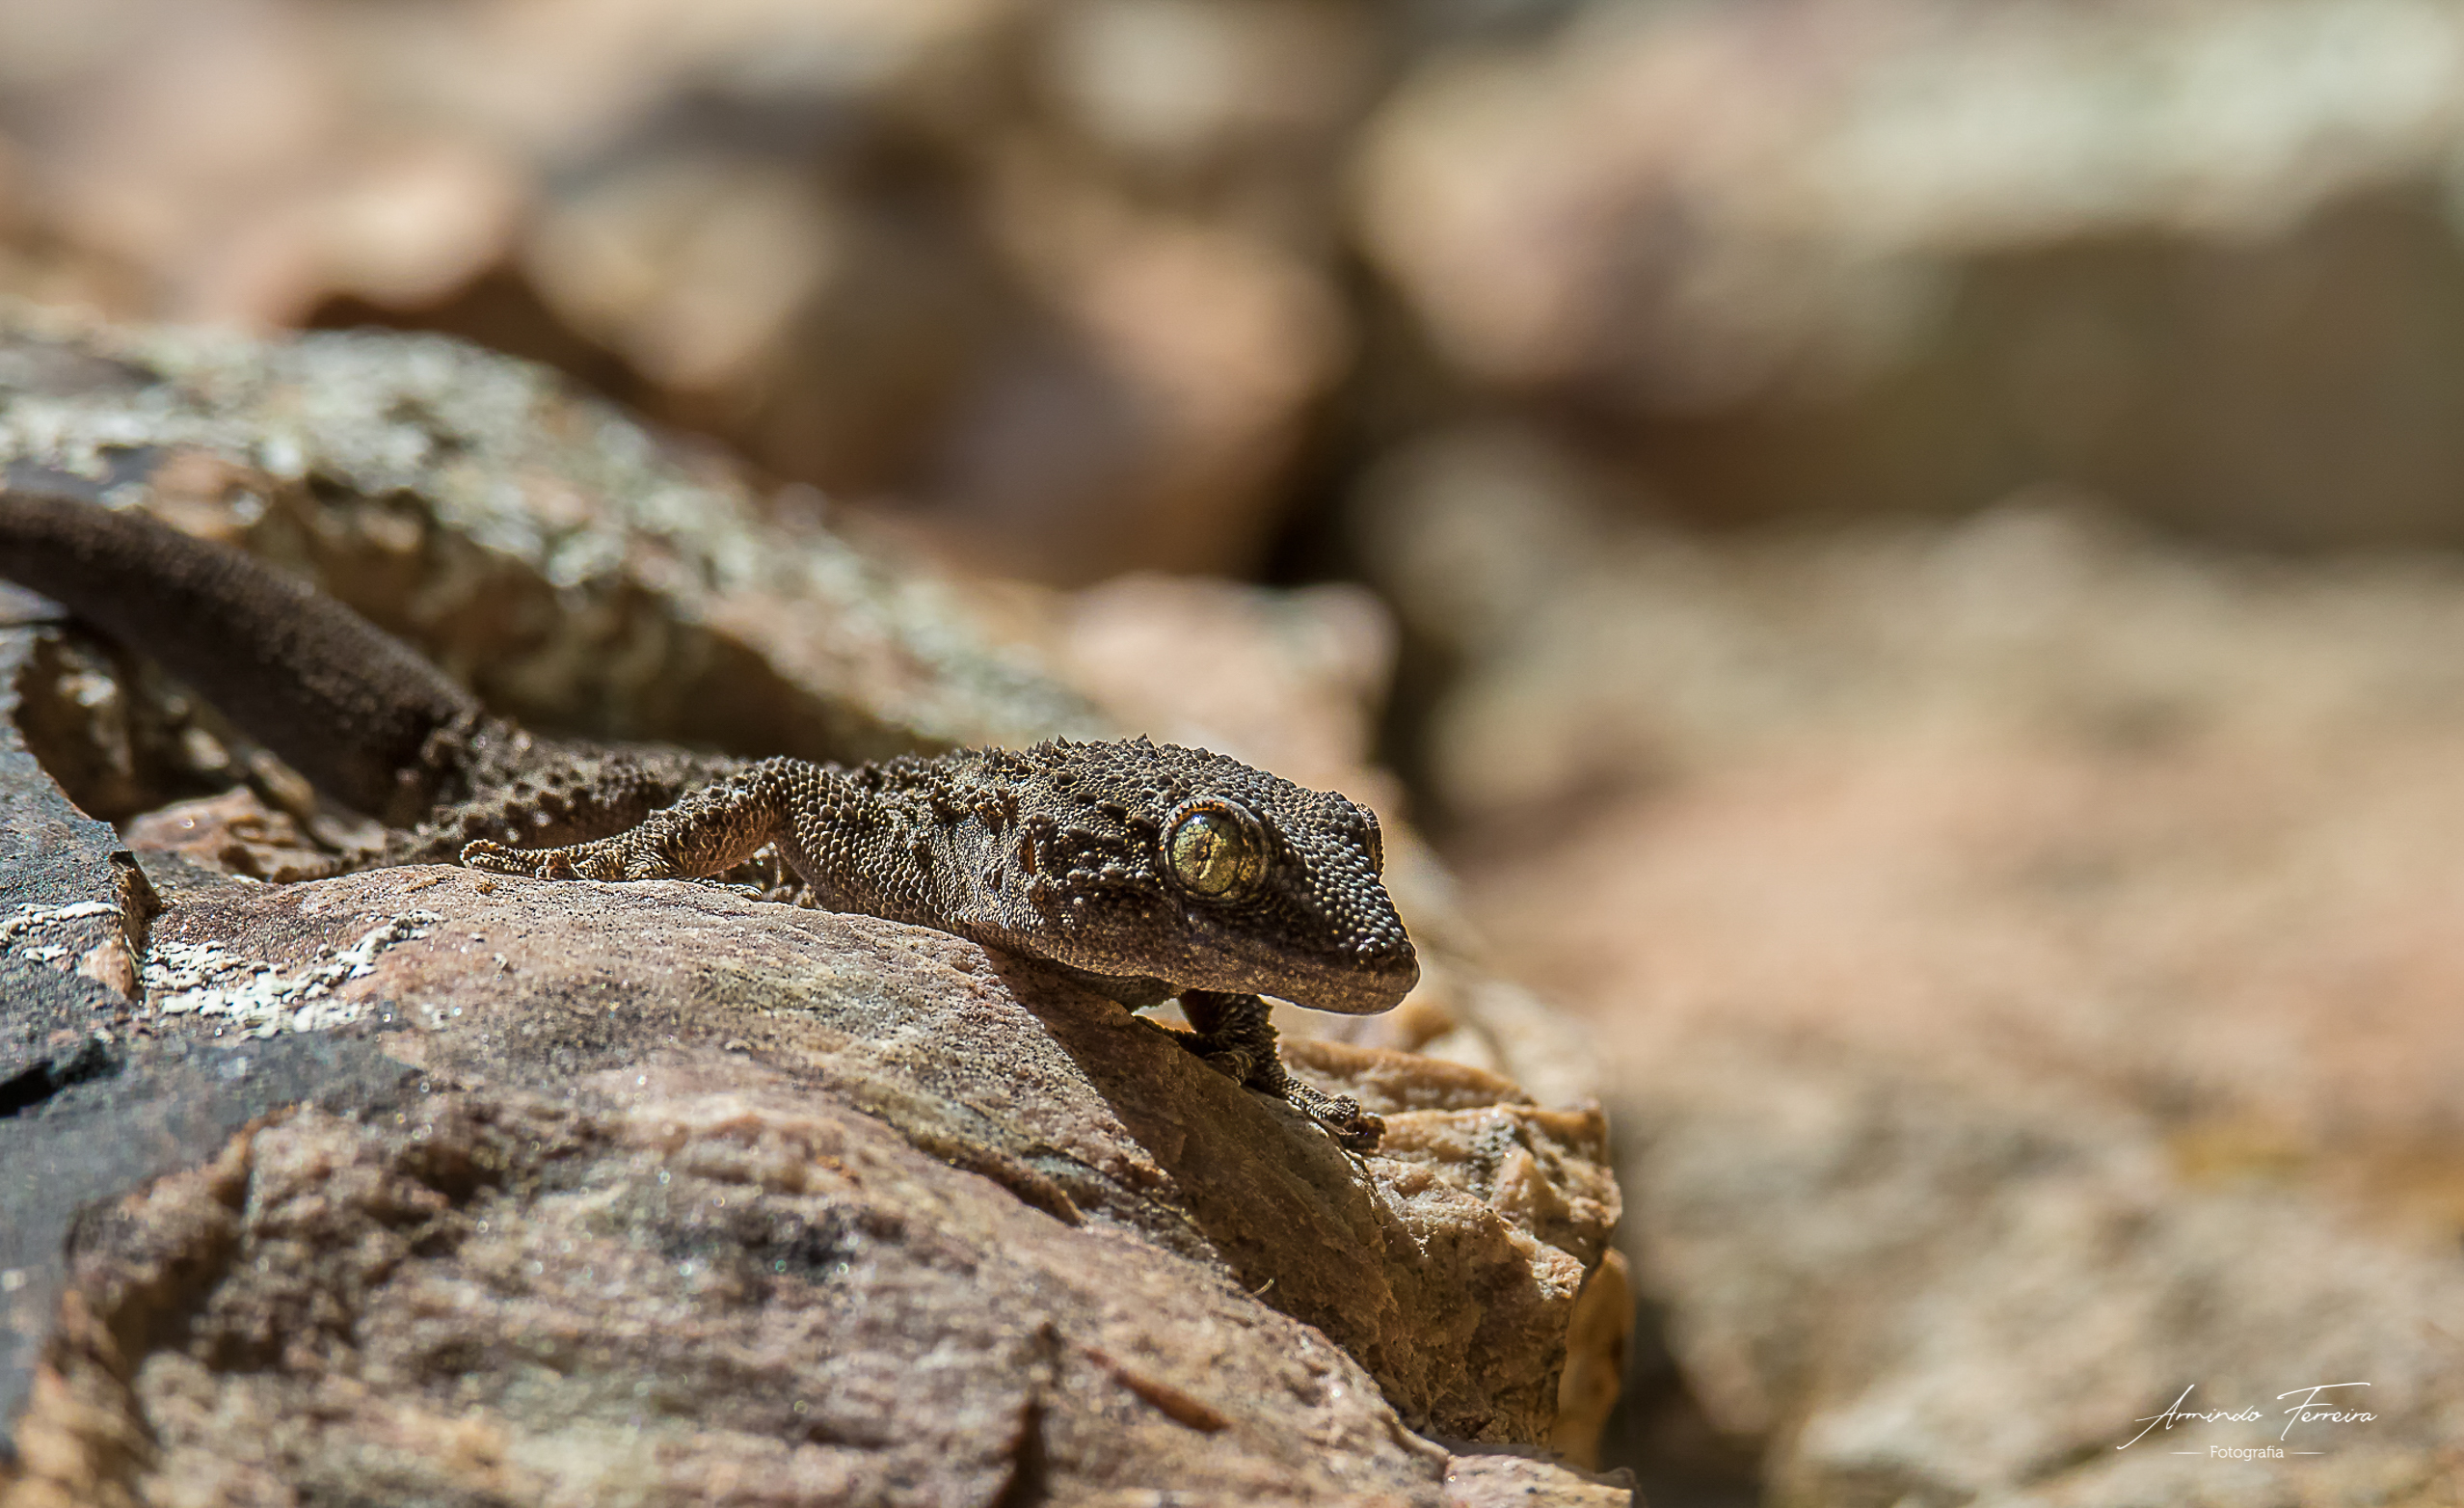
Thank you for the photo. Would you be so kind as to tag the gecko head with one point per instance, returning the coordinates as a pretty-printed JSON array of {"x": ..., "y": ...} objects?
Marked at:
[{"x": 1139, "y": 860}]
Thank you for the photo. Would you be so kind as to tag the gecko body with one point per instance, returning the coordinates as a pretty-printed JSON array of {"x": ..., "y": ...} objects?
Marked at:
[{"x": 1147, "y": 871}]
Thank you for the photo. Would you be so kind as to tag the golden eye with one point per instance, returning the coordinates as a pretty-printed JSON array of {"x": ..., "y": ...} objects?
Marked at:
[{"x": 1216, "y": 850}]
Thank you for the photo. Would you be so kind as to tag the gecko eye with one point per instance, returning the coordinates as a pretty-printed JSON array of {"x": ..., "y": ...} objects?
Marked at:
[{"x": 1216, "y": 850}]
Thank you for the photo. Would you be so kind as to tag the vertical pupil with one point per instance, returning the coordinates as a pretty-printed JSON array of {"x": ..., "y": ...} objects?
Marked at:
[{"x": 1207, "y": 853}]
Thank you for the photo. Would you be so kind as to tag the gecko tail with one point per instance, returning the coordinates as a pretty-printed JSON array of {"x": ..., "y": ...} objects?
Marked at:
[{"x": 348, "y": 705}]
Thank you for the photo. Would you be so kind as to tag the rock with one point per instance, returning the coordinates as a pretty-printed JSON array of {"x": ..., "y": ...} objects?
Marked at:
[
  {"x": 1105, "y": 284},
  {"x": 1090, "y": 1114},
  {"x": 79, "y": 1123},
  {"x": 69, "y": 888},
  {"x": 581, "y": 575},
  {"x": 1968, "y": 1298},
  {"x": 1836, "y": 260},
  {"x": 2023, "y": 955},
  {"x": 1286, "y": 680},
  {"x": 681, "y": 1095},
  {"x": 673, "y": 1286},
  {"x": 1497, "y": 1479},
  {"x": 1063, "y": 279},
  {"x": 235, "y": 833},
  {"x": 342, "y": 1129}
]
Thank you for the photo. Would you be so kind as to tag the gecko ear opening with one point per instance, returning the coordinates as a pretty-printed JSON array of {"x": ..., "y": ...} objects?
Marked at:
[{"x": 1216, "y": 850}]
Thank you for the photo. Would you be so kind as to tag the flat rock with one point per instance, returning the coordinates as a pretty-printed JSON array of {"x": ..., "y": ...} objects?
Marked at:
[{"x": 1459, "y": 1254}]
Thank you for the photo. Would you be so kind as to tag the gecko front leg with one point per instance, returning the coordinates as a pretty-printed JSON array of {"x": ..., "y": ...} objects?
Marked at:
[
  {"x": 1236, "y": 1036},
  {"x": 709, "y": 831}
]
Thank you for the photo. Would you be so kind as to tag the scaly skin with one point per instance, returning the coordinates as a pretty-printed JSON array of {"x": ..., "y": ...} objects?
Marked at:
[
  {"x": 1058, "y": 852},
  {"x": 1145, "y": 871}
]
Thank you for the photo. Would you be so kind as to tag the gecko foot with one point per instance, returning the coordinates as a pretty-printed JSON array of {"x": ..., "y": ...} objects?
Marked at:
[
  {"x": 1236, "y": 1037},
  {"x": 606, "y": 859}
]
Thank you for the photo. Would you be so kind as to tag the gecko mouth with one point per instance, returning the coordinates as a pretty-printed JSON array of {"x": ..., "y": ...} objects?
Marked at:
[
  {"x": 1371, "y": 993},
  {"x": 1354, "y": 983},
  {"x": 1355, "y": 986}
]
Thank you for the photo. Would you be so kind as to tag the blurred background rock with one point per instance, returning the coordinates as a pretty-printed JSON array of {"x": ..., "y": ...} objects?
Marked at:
[
  {"x": 1110, "y": 284},
  {"x": 1920, "y": 532}
]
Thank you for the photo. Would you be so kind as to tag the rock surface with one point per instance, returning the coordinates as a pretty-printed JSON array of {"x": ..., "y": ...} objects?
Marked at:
[
  {"x": 2026, "y": 955},
  {"x": 475, "y": 1186},
  {"x": 1067, "y": 270},
  {"x": 836, "y": 1209},
  {"x": 1828, "y": 260},
  {"x": 1094, "y": 284},
  {"x": 578, "y": 570}
]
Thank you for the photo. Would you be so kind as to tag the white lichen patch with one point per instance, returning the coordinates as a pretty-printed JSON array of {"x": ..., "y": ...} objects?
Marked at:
[
  {"x": 28, "y": 918},
  {"x": 203, "y": 979}
]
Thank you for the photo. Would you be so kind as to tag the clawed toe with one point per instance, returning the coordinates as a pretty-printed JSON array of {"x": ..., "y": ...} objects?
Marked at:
[
  {"x": 494, "y": 857},
  {"x": 1353, "y": 1129},
  {"x": 535, "y": 863},
  {"x": 1341, "y": 1117}
]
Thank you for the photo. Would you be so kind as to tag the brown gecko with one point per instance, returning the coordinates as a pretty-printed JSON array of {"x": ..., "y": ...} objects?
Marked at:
[{"x": 1145, "y": 871}]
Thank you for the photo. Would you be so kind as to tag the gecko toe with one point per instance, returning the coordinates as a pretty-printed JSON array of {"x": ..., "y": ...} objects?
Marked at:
[
  {"x": 494, "y": 857},
  {"x": 1361, "y": 1134}
]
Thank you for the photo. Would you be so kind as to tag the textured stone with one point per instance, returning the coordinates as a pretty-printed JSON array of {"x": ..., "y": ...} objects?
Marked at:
[
  {"x": 1090, "y": 1112},
  {"x": 2024, "y": 956},
  {"x": 1500, "y": 1479},
  {"x": 852, "y": 1093},
  {"x": 1062, "y": 275},
  {"x": 673, "y": 1285},
  {"x": 235, "y": 833},
  {"x": 1835, "y": 260},
  {"x": 467, "y": 1184},
  {"x": 578, "y": 574}
]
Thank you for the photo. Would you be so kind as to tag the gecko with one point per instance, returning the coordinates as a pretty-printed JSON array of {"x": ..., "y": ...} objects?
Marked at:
[{"x": 1147, "y": 871}]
